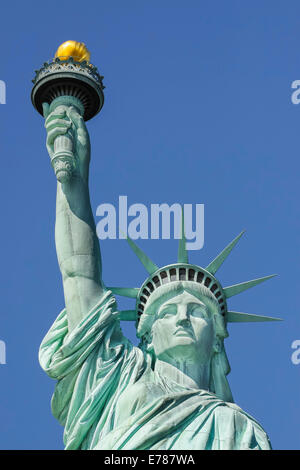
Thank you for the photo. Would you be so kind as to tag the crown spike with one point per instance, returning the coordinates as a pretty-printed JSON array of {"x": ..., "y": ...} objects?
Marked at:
[
  {"x": 238, "y": 288},
  {"x": 145, "y": 260},
  {"x": 241, "y": 317},
  {"x": 131, "y": 292},
  {"x": 216, "y": 263},
  {"x": 182, "y": 251}
]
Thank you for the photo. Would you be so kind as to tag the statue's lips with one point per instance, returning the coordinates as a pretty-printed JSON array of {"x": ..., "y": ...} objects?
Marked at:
[{"x": 183, "y": 332}]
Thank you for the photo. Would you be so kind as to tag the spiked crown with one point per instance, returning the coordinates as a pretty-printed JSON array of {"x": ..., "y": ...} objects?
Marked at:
[{"x": 184, "y": 271}]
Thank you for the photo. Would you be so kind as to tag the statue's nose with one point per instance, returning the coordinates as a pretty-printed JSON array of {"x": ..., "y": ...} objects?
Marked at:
[{"x": 182, "y": 315}]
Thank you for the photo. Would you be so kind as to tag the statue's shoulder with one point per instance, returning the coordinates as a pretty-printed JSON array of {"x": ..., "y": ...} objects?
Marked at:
[
  {"x": 231, "y": 412},
  {"x": 241, "y": 414}
]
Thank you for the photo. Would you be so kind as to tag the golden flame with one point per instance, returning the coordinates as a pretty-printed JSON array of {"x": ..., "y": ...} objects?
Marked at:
[{"x": 77, "y": 50}]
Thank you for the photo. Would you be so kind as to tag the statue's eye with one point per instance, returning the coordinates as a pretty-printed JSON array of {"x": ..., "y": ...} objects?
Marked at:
[
  {"x": 198, "y": 311},
  {"x": 169, "y": 310}
]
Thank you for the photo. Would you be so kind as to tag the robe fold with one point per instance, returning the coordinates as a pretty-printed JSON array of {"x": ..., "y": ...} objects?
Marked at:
[{"x": 108, "y": 397}]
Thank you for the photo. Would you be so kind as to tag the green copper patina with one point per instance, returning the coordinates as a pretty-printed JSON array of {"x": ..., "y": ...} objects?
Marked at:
[{"x": 170, "y": 392}]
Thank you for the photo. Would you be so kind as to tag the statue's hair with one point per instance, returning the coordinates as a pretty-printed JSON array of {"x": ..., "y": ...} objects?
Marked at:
[{"x": 219, "y": 364}]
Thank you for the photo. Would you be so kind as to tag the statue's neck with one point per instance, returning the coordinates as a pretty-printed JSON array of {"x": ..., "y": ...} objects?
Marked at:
[{"x": 184, "y": 373}]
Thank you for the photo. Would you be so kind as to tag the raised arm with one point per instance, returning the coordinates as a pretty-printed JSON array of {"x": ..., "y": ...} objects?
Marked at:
[{"x": 76, "y": 241}]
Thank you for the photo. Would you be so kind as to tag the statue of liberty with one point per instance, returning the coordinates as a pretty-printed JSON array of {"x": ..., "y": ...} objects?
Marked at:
[{"x": 170, "y": 391}]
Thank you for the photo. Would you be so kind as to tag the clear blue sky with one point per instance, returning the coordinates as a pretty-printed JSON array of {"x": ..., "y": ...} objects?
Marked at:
[{"x": 197, "y": 110}]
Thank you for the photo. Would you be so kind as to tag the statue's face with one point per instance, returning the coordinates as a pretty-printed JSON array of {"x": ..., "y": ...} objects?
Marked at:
[{"x": 183, "y": 330}]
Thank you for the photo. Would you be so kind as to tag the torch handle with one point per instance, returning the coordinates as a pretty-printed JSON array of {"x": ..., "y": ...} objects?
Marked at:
[
  {"x": 62, "y": 158},
  {"x": 63, "y": 147},
  {"x": 63, "y": 144}
]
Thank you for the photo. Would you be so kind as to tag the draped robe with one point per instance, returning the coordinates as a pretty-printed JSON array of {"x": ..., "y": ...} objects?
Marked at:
[{"x": 108, "y": 397}]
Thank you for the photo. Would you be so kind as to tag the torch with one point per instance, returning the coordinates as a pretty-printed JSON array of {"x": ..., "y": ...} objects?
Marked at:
[{"x": 68, "y": 80}]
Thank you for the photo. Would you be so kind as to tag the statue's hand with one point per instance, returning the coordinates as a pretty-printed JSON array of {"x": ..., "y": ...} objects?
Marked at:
[{"x": 66, "y": 121}]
